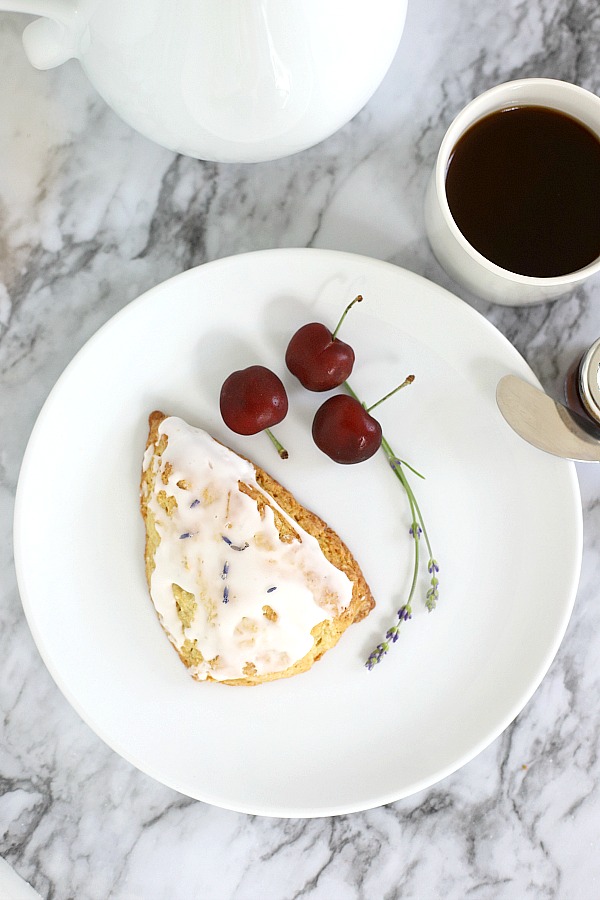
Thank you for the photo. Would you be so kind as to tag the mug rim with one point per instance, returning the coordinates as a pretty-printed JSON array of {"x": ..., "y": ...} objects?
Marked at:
[{"x": 459, "y": 125}]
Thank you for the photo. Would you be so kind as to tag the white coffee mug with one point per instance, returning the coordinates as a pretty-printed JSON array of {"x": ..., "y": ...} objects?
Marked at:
[{"x": 455, "y": 254}]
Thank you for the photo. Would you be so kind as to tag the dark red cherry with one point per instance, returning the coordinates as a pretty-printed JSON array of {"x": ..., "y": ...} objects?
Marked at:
[
  {"x": 318, "y": 359},
  {"x": 253, "y": 400},
  {"x": 344, "y": 430}
]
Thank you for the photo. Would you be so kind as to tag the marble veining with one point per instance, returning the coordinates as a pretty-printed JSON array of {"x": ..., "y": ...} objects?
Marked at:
[{"x": 91, "y": 215}]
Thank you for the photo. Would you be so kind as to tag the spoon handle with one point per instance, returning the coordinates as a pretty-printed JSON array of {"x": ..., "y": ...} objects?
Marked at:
[{"x": 544, "y": 422}]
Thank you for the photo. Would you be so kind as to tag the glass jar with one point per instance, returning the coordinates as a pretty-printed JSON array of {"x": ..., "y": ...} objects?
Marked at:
[{"x": 582, "y": 387}]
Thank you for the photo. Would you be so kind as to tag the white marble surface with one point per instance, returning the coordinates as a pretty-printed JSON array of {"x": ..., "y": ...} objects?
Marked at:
[{"x": 91, "y": 215}]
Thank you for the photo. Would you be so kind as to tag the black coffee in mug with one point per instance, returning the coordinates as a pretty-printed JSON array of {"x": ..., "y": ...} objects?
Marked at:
[{"x": 523, "y": 186}]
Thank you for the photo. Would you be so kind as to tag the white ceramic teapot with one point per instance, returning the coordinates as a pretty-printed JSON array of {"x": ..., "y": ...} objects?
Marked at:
[{"x": 225, "y": 80}]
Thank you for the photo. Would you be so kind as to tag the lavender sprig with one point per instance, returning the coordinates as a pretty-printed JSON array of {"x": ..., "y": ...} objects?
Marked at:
[
  {"x": 432, "y": 593},
  {"x": 391, "y": 636},
  {"x": 416, "y": 530},
  {"x": 377, "y": 655}
]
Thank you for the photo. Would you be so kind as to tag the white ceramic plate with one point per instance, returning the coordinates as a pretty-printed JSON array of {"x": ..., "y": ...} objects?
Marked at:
[{"x": 504, "y": 519}]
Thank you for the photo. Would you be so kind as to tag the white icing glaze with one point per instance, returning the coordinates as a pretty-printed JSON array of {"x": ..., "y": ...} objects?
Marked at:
[{"x": 203, "y": 477}]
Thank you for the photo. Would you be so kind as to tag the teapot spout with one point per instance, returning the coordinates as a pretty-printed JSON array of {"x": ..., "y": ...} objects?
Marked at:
[{"x": 51, "y": 39}]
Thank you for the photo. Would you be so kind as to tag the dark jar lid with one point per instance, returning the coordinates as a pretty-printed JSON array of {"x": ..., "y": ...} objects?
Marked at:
[{"x": 589, "y": 381}]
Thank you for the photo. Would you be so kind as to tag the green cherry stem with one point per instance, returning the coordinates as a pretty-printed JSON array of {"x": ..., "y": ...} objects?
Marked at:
[
  {"x": 405, "y": 383},
  {"x": 277, "y": 444},
  {"x": 344, "y": 314}
]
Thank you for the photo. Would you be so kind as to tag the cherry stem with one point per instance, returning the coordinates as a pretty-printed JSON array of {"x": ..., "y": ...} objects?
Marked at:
[
  {"x": 344, "y": 314},
  {"x": 277, "y": 444},
  {"x": 405, "y": 383}
]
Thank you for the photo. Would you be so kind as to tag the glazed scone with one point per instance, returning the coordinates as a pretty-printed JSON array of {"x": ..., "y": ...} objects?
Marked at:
[{"x": 248, "y": 584}]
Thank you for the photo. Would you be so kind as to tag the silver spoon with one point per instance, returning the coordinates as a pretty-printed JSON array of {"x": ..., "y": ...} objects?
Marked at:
[{"x": 544, "y": 422}]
